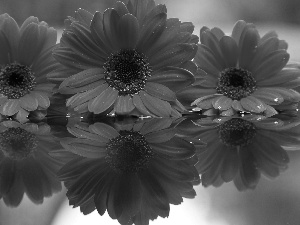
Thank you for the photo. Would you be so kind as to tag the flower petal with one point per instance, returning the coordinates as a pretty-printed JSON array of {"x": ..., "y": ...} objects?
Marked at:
[
  {"x": 3, "y": 99},
  {"x": 81, "y": 98},
  {"x": 287, "y": 94},
  {"x": 104, "y": 130},
  {"x": 173, "y": 56},
  {"x": 263, "y": 50},
  {"x": 42, "y": 99},
  {"x": 5, "y": 49},
  {"x": 85, "y": 147},
  {"x": 97, "y": 32},
  {"x": 128, "y": 32},
  {"x": 222, "y": 103},
  {"x": 236, "y": 105},
  {"x": 268, "y": 96},
  {"x": 80, "y": 40},
  {"x": 237, "y": 30},
  {"x": 160, "y": 91},
  {"x": 138, "y": 103},
  {"x": 11, "y": 30},
  {"x": 29, "y": 102},
  {"x": 174, "y": 149},
  {"x": 160, "y": 136},
  {"x": 140, "y": 9},
  {"x": 124, "y": 104},
  {"x": 167, "y": 38},
  {"x": 151, "y": 32},
  {"x": 111, "y": 19},
  {"x": 67, "y": 57},
  {"x": 174, "y": 78},
  {"x": 10, "y": 107},
  {"x": 156, "y": 106},
  {"x": 229, "y": 50},
  {"x": 284, "y": 76},
  {"x": 271, "y": 65},
  {"x": 121, "y": 8},
  {"x": 103, "y": 101},
  {"x": 84, "y": 16},
  {"x": 83, "y": 78},
  {"x": 28, "y": 44},
  {"x": 253, "y": 104},
  {"x": 211, "y": 41},
  {"x": 247, "y": 46},
  {"x": 206, "y": 61}
]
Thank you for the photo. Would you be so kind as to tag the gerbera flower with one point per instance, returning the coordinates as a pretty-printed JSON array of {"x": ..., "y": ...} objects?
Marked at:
[
  {"x": 241, "y": 149},
  {"x": 133, "y": 172},
  {"x": 25, "y": 60},
  {"x": 25, "y": 166},
  {"x": 243, "y": 71},
  {"x": 130, "y": 58}
]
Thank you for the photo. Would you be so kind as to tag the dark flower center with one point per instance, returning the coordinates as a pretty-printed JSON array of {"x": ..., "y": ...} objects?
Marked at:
[
  {"x": 129, "y": 152},
  {"x": 127, "y": 71},
  {"x": 236, "y": 83},
  {"x": 17, "y": 143},
  {"x": 237, "y": 132},
  {"x": 16, "y": 81}
]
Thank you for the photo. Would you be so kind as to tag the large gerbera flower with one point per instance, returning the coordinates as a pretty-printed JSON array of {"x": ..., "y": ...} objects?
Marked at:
[
  {"x": 243, "y": 71},
  {"x": 241, "y": 149},
  {"x": 129, "y": 58},
  {"x": 25, "y": 166},
  {"x": 133, "y": 172},
  {"x": 25, "y": 60}
]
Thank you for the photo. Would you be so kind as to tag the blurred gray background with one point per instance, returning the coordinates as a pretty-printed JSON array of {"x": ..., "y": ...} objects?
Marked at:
[{"x": 55, "y": 11}]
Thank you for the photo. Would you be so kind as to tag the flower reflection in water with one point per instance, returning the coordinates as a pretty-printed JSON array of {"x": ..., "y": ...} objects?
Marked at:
[
  {"x": 133, "y": 171},
  {"x": 241, "y": 149},
  {"x": 25, "y": 166}
]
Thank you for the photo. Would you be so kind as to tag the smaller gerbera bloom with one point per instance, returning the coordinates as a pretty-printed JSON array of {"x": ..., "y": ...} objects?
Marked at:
[
  {"x": 243, "y": 71},
  {"x": 25, "y": 166},
  {"x": 241, "y": 149},
  {"x": 25, "y": 60},
  {"x": 134, "y": 171},
  {"x": 129, "y": 59}
]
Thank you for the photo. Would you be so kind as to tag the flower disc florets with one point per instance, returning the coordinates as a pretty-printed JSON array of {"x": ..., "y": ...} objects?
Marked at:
[
  {"x": 17, "y": 143},
  {"x": 127, "y": 71},
  {"x": 16, "y": 81},
  {"x": 237, "y": 132},
  {"x": 129, "y": 152},
  {"x": 236, "y": 83}
]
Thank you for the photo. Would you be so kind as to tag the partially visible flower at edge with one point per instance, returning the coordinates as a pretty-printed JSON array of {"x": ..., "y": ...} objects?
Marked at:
[
  {"x": 242, "y": 72},
  {"x": 25, "y": 60},
  {"x": 130, "y": 59}
]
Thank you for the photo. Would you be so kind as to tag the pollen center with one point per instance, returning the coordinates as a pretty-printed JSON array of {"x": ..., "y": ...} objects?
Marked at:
[
  {"x": 17, "y": 143},
  {"x": 127, "y": 71},
  {"x": 236, "y": 83},
  {"x": 129, "y": 152},
  {"x": 16, "y": 81},
  {"x": 237, "y": 132}
]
